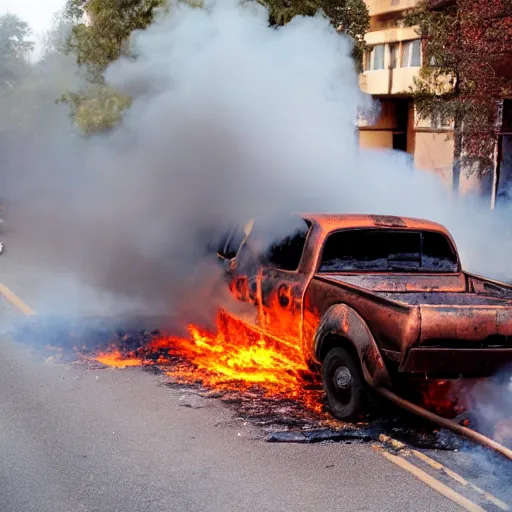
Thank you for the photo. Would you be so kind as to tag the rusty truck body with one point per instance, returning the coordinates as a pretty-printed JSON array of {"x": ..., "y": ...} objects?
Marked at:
[{"x": 370, "y": 299}]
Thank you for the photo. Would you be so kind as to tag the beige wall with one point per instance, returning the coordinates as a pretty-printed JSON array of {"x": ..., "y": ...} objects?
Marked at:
[
  {"x": 434, "y": 153},
  {"x": 474, "y": 184},
  {"x": 375, "y": 139},
  {"x": 378, "y": 7}
]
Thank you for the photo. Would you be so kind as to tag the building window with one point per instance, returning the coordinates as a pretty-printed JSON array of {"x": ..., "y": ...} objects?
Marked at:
[
  {"x": 378, "y": 57},
  {"x": 411, "y": 55},
  {"x": 374, "y": 58}
]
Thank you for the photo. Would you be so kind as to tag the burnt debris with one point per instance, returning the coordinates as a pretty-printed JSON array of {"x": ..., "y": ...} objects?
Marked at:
[{"x": 280, "y": 419}]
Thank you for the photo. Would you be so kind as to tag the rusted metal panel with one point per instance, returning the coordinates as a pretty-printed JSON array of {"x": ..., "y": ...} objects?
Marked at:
[
  {"x": 403, "y": 283},
  {"x": 439, "y": 322},
  {"x": 335, "y": 222},
  {"x": 447, "y": 361},
  {"x": 342, "y": 321},
  {"x": 393, "y": 325},
  {"x": 462, "y": 322}
]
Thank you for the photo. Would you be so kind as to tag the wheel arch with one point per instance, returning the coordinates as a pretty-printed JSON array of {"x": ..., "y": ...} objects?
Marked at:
[
  {"x": 342, "y": 326},
  {"x": 332, "y": 340}
]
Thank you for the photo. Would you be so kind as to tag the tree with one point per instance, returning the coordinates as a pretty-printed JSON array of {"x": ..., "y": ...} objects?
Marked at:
[
  {"x": 96, "y": 44},
  {"x": 348, "y": 16},
  {"x": 98, "y": 110},
  {"x": 15, "y": 69},
  {"x": 106, "y": 37},
  {"x": 457, "y": 83},
  {"x": 15, "y": 48}
]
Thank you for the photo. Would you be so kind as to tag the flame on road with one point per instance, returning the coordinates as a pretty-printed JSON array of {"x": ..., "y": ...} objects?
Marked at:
[
  {"x": 117, "y": 360},
  {"x": 236, "y": 356}
]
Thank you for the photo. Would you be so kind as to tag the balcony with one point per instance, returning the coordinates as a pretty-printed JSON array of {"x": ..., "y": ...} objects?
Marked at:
[
  {"x": 396, "y": 81},
  {"x": 378, "y": 7},
  {"x": 391, "y": 35}
]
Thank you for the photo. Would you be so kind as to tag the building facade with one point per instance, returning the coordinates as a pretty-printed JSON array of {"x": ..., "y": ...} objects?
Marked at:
[{"x": 391, "y": 65}]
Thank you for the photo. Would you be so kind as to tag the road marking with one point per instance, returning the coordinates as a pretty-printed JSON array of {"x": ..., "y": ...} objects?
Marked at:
[
  {"x": 402, "y": 448},
  {"x": 16, "y": 301},
  {"x": 433, "y": 483},
  {"x": 461, "y": 480}
]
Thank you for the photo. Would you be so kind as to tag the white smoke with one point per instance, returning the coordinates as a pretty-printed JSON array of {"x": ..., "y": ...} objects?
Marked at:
[{"x": 230, "y": 119}]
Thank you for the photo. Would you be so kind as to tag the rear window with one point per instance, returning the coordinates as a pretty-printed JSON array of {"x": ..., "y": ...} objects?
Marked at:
[{"x": 388, "y": 250}]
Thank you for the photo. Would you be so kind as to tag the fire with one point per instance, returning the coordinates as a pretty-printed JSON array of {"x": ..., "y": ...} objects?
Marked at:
[
  {"x": 241, "y": 353},
  {"x": 236, "y": 356},
  {"x": 116, "y": 359},
  {"x": 440, "y": 397}
]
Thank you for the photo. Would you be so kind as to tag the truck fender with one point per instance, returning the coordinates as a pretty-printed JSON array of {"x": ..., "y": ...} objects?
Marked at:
[{"x": 341, "y": 324}]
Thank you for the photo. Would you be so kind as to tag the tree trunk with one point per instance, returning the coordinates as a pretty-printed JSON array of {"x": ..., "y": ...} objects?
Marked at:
[{"x": 457, "y": 153}]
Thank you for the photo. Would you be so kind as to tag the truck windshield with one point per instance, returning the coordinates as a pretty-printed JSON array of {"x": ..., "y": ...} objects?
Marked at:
[{"x": 388, "y": 250}]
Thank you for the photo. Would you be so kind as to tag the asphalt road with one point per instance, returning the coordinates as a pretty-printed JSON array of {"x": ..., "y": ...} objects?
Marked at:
[
  {"x": 114, "y": 440},
  {"x": 73, "y": 439}
]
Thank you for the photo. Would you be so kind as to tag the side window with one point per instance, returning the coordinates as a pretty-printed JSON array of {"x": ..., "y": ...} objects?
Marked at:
[
  {"x": 286, "y": 253},
  {"x": 229, "y": 243}
]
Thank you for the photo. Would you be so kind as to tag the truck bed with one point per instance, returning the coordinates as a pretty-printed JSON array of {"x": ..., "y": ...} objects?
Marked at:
[
  {"x": 466, "y": 331},
  {"x": 445, "y": 299}
]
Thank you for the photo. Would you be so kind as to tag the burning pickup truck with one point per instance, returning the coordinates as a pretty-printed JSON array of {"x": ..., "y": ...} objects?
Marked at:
[{"x": 371, "y": 300}]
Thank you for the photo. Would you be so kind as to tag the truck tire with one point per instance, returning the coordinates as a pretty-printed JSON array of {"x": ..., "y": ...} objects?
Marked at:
[{"x": 344, "y": 384}]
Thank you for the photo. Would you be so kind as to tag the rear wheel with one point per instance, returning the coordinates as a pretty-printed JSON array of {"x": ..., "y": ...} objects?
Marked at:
[{"x": 344, "y": 384}]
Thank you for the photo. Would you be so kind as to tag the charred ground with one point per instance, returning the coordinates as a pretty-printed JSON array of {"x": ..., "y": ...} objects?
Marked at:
[{"x": 279, "y": 418}]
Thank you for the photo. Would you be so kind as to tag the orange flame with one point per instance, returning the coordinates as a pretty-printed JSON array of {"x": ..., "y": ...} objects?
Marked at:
[
  {"x": 236, "y": 356},
  {"x": 116, "y": 359}
]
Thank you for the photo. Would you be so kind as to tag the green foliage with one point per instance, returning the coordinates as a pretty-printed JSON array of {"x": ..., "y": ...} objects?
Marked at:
[
  {"x": 98, "y": 109},
  {"x": 349, "y": 16},
  {"x": 283, "y": 11},
  {"x": 15, "y": 70},
  {"x": 15, "y": 48},
  {"x": 96, "y": 44},
  {"x": 106, "y": 37}
]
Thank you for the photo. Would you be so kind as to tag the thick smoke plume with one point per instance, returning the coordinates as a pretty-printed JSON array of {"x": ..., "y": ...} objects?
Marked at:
[{"x": 230, "y": 119}]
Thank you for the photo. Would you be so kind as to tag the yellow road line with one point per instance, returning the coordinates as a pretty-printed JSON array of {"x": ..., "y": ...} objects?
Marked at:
[
  {"x": 433, "y": 483},
  {"x": 16, "y": 301},
  {"x": 461, "y": 480},
  {"x": 397, "y": 445}
]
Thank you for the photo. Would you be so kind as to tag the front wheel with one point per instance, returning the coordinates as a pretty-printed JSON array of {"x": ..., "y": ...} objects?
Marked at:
[{"x": 344, "y": 384}]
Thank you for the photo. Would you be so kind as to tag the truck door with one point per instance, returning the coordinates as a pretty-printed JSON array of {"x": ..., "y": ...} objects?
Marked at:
[{"x": 282, "y": 285}]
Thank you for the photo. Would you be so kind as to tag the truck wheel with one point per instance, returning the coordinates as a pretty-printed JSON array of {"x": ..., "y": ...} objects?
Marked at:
[{"x": 344, "y": 384}]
